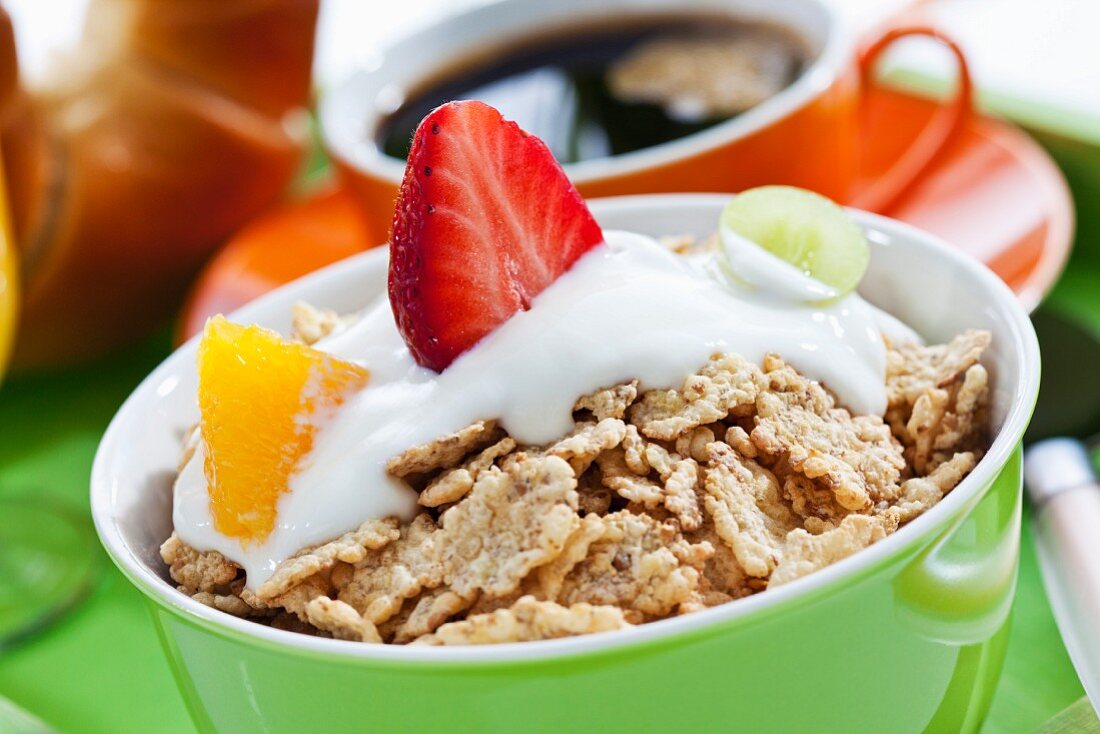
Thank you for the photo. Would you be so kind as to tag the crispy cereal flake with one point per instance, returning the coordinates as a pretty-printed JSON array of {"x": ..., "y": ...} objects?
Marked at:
[
  {"x": 609, "y": 403},
  {"x": 725, "y": 384},
  {"x": 382, "y": 580},
  {"x": 805, "y": 553},
  {"x": 349, "y": 548},
  {"x": 756, "y": 538},
  {"x": 693, "y": 444},
  {"x": 228, "y": 603},
  {"x": 551, "y": 576},
  {"x": 196, "y": 571},
  {"x": 432, "y": 609},
  {"x": 588, "y": 441},
  {"x": 913, "y": 369},
  {"x": 528, "y": 620},
  {"x": 855, "y": 457},
  {"x": 310, "y": 325},
  {"x": 679, "y": 494},
  {"x": 512, "y": 521},
  {"x": 722, "y": 578},
  {"x": 451, "y": 486},
  {"x": 634, "y": 449},
  {"x": 945, "y": 421},
  {"x": 920, "y": 493},
  {"x": 341, "y": 620},
  {"x": 444, "y": 452},
  {"x": 738, "y": 439},
  {"x": 637, "y": 564},
  {"x": 297, "y": 598},
  {"x": 814, "y": 502}
]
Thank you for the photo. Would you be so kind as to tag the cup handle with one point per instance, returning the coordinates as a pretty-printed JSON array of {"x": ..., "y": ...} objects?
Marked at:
[{"x": 936, "y": 137}]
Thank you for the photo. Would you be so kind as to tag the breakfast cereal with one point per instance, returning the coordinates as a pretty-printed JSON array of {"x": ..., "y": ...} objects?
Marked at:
[
  {"x": 555, "y": 431},
  {"x": 657, "y": 503}
]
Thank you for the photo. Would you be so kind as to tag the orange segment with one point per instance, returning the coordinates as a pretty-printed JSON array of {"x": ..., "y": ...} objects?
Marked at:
[{"x": 261, "y": 400}]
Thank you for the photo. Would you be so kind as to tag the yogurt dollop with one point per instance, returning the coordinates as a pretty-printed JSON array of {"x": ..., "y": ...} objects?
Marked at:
[
  {"x": 760, "y": 269},
  {"x": 629, "y": 309}
]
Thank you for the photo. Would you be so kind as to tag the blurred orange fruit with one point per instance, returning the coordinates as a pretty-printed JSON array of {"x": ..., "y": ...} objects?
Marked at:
[
  {"x": 261, "y": 400},
  {"x": 275, "y": 248}
]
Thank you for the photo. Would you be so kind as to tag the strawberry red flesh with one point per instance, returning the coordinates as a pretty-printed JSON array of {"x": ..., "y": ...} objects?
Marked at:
[{"x": 485, "y": 220}]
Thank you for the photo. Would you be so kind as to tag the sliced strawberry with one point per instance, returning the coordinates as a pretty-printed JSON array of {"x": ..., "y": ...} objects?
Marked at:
[{"x": 486, "y": 219}]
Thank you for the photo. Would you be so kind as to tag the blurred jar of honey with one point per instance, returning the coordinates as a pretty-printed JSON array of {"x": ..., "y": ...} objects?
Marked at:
[
  {"x": 168, "y": 126},
  {"x": 9, "y": 285}
]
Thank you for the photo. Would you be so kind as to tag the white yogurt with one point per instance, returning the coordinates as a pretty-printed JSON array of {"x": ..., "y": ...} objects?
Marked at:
[
  {"x": 759, "y": 268},
  {"x": 627, "y": 310}
]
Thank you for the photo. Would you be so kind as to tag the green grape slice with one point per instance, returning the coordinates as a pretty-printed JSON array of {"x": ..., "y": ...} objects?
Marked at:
[{"x": 805, "y": 229}]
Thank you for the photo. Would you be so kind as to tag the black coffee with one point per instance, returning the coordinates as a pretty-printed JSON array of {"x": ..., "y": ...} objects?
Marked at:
[{"x": 599, "y": 90}]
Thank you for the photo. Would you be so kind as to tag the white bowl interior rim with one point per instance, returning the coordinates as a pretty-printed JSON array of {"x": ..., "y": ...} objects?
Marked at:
[
  {"x": 346, "y": 113},
  {"x": 1023, "y": 350}
]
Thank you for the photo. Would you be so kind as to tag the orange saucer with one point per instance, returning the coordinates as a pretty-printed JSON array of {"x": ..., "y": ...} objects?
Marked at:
[{"x": 996, "y": 195}]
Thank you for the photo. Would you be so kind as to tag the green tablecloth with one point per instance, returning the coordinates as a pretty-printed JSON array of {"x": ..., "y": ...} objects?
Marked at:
[{"x": 100, "y": 670}]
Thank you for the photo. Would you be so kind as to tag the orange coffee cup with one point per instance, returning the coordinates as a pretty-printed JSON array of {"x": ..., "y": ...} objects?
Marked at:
[{"x": 806, "y": 135}]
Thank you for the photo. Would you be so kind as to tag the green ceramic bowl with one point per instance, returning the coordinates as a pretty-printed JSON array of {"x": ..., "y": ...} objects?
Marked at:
[{"x": 906, "y": 636}]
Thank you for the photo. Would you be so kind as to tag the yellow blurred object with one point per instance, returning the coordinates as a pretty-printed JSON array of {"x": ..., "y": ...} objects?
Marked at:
[
  {"x": 171, "y": 124},
  {"x": 261, "y": 399},
  {"x": 9, "y": 283}
]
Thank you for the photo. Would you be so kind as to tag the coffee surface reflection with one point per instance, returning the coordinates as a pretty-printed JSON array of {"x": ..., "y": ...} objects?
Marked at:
[{"x": 599, "y": 90}]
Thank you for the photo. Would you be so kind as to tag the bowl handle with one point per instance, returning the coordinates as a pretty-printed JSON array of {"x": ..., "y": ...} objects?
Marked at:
[{"x": 959, "y": 590}]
